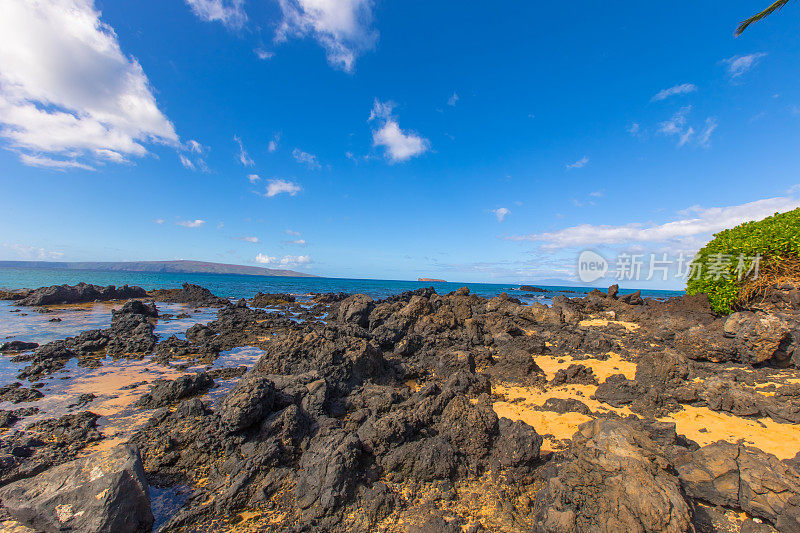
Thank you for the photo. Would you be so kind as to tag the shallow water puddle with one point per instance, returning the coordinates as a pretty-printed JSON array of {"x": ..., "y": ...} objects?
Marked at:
[
  {"x": 62, "y": 321},
  {"x": 166, "y": 502},
  {"x": 116, "y": 386}
]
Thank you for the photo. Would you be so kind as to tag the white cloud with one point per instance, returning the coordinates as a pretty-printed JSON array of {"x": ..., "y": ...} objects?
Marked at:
[
  {"x": 580, "y": 163},
  {"x": 675, "y": 125},
  {"x": 191, "y": 223},
  {"x": 794, "y": 189},
  {"x": 453, "y": 100},
  {"x": 678, "y": 126},
  {"x": 306, "y": 158},
  {"x": 697, "y": 222},
  {"x": 293, "y": 233},
  {"x": 185, "y": 161},
  {"x": 300, "y": 242},
  {"x": 246, "y": 239},
  {"x": 342, "y": 27},
  {"x": 253, "y": 177},
  {"x": 228, "y": 12},
  {"x": 244, "y": 157},
  {"x": 285, "y": 261},
  {"x": 684, "y": 88},
  {"x": 738, "y": 65},
  {"x": 32, "y": 252},
  {"x": 686, "y": 136},
  {"x": 69, "y": 96},
  {"x": 634, "y": 128},
  {"x": 399, "y": 145},
  {"x": 263, "y": 55},
  {"x": 705, "y": 136},
  {"x": 159, "y": 221},
  {"x": 598, "y": 194},
  {"x": 194, "y": 149},
  {"x": 49, "y": 162},
  {"x": 276, "y": 187},
  {"x": 194, "y": 146},
  {"x": 273, "y": 144},
  {"x": 501, "y": 213}
]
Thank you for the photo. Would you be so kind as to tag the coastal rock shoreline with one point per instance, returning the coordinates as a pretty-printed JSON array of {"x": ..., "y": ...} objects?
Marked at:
[{"x": 429, "y": 412}]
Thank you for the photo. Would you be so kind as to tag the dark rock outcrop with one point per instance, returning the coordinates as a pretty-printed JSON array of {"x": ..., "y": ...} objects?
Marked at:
[
  {"x": 103, "y": 492},
  {"x": 188, "y": 294},
  {"x": 80, "y": 293}
]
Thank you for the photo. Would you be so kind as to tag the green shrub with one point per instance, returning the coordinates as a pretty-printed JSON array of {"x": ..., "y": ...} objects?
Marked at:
[{"x": 775, "y": 239}]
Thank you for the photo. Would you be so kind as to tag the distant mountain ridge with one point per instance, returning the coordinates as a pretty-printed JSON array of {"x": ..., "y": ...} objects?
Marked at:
[{"x": 180, "y": 267}]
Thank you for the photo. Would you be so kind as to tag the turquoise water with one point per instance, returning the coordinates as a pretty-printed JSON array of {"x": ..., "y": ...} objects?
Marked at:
[{"x": 239, "y": 286}]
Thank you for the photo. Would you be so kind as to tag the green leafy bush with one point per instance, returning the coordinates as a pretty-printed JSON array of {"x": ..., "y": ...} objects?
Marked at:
[{"x": 718, "y": 269}]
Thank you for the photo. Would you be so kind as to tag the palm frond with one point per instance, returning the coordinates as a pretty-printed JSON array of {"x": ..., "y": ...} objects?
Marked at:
[{"x": 764, "y": 14}]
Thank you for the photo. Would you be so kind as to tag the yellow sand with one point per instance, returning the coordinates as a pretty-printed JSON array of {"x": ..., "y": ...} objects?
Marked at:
[
  {"x": 781, "y": 440},
  {"x": 519, "y": 403},
  {"x": 561, "y": 426},
  {"x": 602, "y": 369},
  {"x": 604, "y": 322}
]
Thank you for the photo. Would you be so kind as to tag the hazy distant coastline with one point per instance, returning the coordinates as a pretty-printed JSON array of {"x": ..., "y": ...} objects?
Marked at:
[{"x": 182, "y": 267}]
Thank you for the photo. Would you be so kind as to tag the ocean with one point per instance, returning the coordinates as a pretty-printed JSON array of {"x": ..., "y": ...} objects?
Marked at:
[{"x": 241, "y": 286}]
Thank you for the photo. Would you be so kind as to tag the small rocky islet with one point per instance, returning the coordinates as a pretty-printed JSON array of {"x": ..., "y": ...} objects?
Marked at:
[{"x": 420, "y": 412}]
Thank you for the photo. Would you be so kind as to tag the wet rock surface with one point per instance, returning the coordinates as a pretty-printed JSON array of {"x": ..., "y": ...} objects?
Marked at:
[
  {"x": 429, "y": 412},
  {"x": 80, "y": 293},
  {"x": 188, "y": 294}
]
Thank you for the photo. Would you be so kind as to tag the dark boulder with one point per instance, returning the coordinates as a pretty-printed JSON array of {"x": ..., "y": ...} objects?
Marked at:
[
  {"x": 18, "y": 346},
  {"x": 248, "y": 403},
  {"x": 746, "y": 478},
  {"x": 104, "y": 492},
  {"x": 163, "y": 393},
  {"x": 270, "y": 299},
  {"x": 615, "y": 478},
  {"x": 80, "y": 293},
  {"x": 189, "y": 294}
]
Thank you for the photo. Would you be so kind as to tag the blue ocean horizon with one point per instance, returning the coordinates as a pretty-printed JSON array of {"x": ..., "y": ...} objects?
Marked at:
[{"x": 237, "y": 286}]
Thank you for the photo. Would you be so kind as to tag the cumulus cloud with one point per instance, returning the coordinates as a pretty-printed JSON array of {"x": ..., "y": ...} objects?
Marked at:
[
  {"x": 293, "y": 233},
  {"x": 738, "y": 65},
  {"x": 285, "y": 261},
  {"x": 69, "y": 96},
  {"x": 243, "y": 156},
  {"x": 300, "y": 242},
  {"x": 253, "y": 177},
  {"x": 307, "y": 159},
  {"x": 684, "y": 88},
  {"x": 453, "y": 100},
  {"x": 341, "y": 27},
  {"x": 228, "y": 12},
  {"x": 25, "y": 251},
  {"x": 501, "y": 213},
  {"x": 580, "y": 163},
  {"x": 246, "y": 239},
  {"x": 634, "y": 129},
  {"x": 191, "y": 223},
  {"x": 399, "y": 145},
  {"x": 698, "y": 221},
  {"x": 276, "y": 187}
]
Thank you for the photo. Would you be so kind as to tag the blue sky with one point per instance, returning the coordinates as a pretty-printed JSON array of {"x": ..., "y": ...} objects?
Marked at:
[{"x": 471, "y": 141}]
